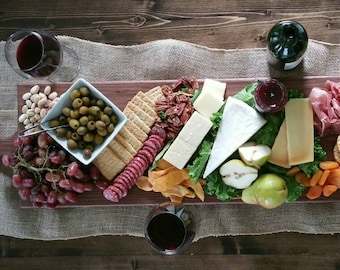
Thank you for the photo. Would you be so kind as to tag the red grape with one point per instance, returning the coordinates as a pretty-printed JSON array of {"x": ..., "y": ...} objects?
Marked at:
[
  {"x": 25, "y": 194},
  {"x": 17, "y": 180},
  {"x": 71, "y": 196}
]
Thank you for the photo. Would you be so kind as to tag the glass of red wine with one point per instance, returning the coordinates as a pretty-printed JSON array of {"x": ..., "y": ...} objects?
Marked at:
[
  {"x": 35, "y": 53},
  {"x": 169, "y": 228}
]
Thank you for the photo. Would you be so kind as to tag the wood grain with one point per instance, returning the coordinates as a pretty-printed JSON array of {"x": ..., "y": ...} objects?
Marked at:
[
  {"x": 121, "y": 92},
  {"x": 221, "y": 24}
]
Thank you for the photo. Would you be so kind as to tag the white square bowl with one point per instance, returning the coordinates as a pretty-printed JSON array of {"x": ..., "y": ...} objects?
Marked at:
[{"x": 65, "y": 101}]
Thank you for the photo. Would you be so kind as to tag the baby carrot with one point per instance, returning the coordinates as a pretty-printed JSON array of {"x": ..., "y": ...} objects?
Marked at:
[
  {"x": 328, "y": 190},
  {"x": 314, "y": 192},
  {"x": 316, "y": 177},
  {"x": 324, "y": 177},
  {"x": 328, "y": 165}
]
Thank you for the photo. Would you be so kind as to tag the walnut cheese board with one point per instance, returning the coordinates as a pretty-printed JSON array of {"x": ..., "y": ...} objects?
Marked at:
[{"x": 120, "y": 92}]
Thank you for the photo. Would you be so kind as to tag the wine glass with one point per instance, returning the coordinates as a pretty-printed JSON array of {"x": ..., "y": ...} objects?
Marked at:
[
  {"x": 169, "y": 228},
  {"x": 37, "y": 54}
]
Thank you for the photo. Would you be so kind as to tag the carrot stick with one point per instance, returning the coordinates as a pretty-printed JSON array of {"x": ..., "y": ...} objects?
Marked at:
[
  {"x": 324, "y": 177},
  {"x": 314, "y": 192},
  {"x": 328, "y": 165},
  {"x": 328, "y": 190},
  {"x": 316, "y": 177}
]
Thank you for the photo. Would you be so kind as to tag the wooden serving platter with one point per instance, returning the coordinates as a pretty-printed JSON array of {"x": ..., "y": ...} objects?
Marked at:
[{"x": 120, "y": 92}]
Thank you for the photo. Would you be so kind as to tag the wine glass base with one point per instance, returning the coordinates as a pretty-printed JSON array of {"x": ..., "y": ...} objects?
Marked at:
[{"x": 69, "y": 68}]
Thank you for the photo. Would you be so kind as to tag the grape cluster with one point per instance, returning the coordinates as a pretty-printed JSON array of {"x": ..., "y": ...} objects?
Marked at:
[{"x": 47, "y": 175}]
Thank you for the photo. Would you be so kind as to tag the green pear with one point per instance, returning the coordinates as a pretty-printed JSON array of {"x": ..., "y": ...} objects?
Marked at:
[
  {"x": 248, "y": 194},
  {"x": 270, "y": 190},
  {"x": 254, "y": 154},
  {"x": 237, "y": 174}
]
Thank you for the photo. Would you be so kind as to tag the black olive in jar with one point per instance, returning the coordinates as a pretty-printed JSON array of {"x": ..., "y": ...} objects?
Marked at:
[{"x": 270, "y": 96}]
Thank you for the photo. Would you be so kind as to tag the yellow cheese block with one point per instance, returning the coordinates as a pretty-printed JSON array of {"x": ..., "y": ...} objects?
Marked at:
[
  {"x": 294, "y": 144},
  {"x": 300, "y": 131},
  {"x": 187, "y": 141},
  {"x": 279, "y": 153}
]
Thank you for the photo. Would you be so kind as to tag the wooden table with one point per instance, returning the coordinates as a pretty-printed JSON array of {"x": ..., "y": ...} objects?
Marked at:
[{"x": 220, "y": 24}]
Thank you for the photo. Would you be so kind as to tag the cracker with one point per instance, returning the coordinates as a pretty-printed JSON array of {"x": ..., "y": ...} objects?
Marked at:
[
  {"x": 131, "y": 115},
  {"x": 144, "y": 106},
  {"x": 336, "y": 153},
  {"x": 126, "y": 144},
  {"x": 146, "y": 118},
  {"x": 132, "y": 140},
  {"x": 155, "y": 93},
  {"x": 141, "y": 95},
  {"x": 108, "y": 163},
  {"x": 136, "y": 131},
  {"x": 120, "y": 151}
]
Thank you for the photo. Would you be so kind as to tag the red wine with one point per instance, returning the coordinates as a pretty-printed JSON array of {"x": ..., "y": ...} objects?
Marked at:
[
  {"x": 166, "y": 231},
  {"x": 287, "y": 42},
  {"x": 270, "y": 96},
  {"x": 38, "y": 55}
]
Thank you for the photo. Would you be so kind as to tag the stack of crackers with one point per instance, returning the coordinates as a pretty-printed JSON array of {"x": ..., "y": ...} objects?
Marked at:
[{"x": 141, "y": 115}]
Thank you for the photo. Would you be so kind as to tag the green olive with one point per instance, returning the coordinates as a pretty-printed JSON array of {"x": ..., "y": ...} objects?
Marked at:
[
  {"x": 94, "y": 110},
  {"x": 54, "y": 123},
  {"x": 105, "y": 118},
  {"x": 82, "y": 144},
  {"x": 114, "y": 118},
  {"x": 61, "y": 132},
  {"x": 66, "y": 111},
  {"x": 100, "y": 125},
  {"x": 72, "y": 144},
  {"x": 91, "y": 125},
  {"x": 84, "y": 110},
  {"x": 69, "y": 134},
  {"x": 77, "y": 103},
  {"x": 62, "y": 119},
  {"x": 86, "y": 101},
  {"x": 101, "y": 104},
  {"x": 82, "y": 130},
  {"x": 74, "y": 124},
  {"x": 93, "y": 101},
  {"x": 98, "y": 140},
  {"x": 87, "y": 153},
  {"x": 75, "y": 93},
  {"x": 84, "y": 91},
  {"x": 102, "y": 133},
  {"x": 83, "y": 120},
  {"x": 108, "y": 110},
  {"x": 110, "y": 128},
  {"x": 75, "y": 136},
  {"x": 88, "y": 137},
  {"x": 74, "y": 114}
]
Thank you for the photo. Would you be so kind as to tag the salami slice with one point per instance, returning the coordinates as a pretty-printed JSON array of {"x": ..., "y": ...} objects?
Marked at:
[{"x": 110, "y": 194}]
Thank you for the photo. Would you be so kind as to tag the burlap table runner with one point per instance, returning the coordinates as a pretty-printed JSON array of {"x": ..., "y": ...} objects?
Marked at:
[{"x": 165, "y": 59}]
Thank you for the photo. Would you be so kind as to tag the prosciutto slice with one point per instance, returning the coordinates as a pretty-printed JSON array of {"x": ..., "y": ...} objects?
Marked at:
[{"x": 326, "y": 107}]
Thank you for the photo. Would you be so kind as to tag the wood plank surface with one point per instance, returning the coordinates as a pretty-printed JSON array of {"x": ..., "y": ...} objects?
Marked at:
[
  {"x": 227, "y": 24},
  {"x": 220, "y": 24},
  {"x": 121, "y": 92}
]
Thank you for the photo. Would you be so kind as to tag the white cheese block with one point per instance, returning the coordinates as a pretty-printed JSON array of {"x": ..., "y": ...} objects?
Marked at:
[
  {"x": 187, "y": 141},
  {"x": 279, "y": 153},
  {"x": 300, "y": 131},
  {"x": 211, "y": 98},
  {"x": 239, "y": 123},
  {"x": 216, "y": 87}
]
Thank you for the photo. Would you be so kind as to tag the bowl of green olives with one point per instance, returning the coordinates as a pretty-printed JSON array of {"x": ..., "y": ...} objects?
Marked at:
[{"x": 83, "y": 121}]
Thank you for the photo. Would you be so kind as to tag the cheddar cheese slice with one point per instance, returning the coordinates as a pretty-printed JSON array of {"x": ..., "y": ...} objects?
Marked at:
[
  {"x": 300, "y": 131},
  {"x": 279, "y": 153}
]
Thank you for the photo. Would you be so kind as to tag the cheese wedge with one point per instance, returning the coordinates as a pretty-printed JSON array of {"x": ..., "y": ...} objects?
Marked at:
[
  {"x": 300, "y": 131},
  {"x": 187, "y": 140},
  {"x": 294, "y": 144},
  {"x": 239, "y": 123},
  {"x": 279, "y": 153},
  {"x": 211, "y": 98}
]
